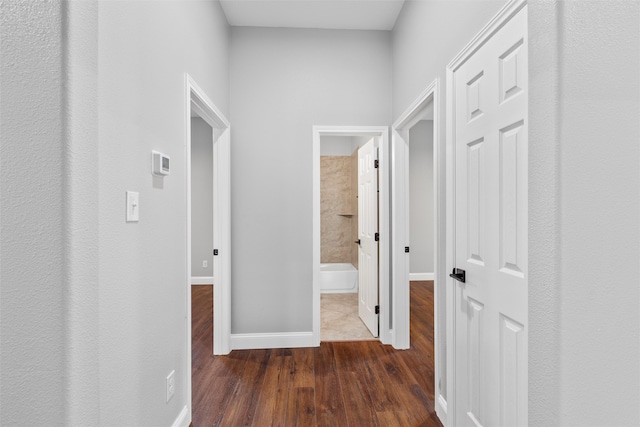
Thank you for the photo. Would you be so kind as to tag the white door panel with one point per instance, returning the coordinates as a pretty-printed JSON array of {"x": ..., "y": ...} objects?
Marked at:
[
  {"x": 490, "y": 143},
  {"x": 367, "y": 229}
]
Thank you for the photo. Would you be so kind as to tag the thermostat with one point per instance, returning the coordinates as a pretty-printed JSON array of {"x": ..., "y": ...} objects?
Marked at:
[{"x": 160, "y": 163}]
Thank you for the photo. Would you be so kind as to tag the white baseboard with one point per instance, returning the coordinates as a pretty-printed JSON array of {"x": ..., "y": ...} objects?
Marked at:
[
  {"x": 281, "y": 340},
  {"x": 182, "y": 420},
  {"x": 420, "y": 276},
  {"x": 441, "y": 409},
  {"x": 202, "y": 280}
]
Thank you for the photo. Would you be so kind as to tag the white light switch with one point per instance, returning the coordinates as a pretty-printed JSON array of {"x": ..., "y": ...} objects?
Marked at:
[{"x": 133, "y": 206}]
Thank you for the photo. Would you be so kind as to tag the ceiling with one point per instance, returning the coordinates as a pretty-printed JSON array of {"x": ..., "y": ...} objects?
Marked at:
[{"x": 327, "y": 14}]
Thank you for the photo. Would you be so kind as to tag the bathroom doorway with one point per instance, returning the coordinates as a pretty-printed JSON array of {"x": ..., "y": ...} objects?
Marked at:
[
  {"x": 350, "y": 257},
  {"x": 339, "y": 240}
]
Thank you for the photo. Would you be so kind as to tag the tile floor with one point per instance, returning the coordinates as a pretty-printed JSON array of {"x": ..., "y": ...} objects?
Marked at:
[{"x": 339, "y": 319}]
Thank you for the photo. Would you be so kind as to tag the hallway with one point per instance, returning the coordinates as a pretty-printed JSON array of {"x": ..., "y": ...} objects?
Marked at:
[{"x": 338, "y": 384}]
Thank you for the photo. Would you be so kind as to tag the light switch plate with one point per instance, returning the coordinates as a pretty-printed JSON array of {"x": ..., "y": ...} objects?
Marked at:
[{"x": 133, "y": 206}]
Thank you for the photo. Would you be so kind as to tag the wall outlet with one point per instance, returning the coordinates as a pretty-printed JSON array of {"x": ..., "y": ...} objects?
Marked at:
[
  {"x": 171, "y": 385},
  {"x": 205, "y": 263}
]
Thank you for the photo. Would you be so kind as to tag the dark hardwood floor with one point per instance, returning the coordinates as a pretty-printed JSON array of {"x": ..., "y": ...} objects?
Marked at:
[{"x": 360, "y": 383}]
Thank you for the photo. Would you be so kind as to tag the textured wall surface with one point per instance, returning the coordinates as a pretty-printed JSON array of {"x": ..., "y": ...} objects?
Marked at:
[
  {"x": 283, "y": 82},
  {"x": 585, "y": 216},
  {"x": 81, "y": 207},
  {"x": 48, "y": 211},
  {"x": 32, "y": 257},
  {"x": 335, "y": 204},
  {"x": 544, "y": 224},
  {"x": 354, "y": 209}
]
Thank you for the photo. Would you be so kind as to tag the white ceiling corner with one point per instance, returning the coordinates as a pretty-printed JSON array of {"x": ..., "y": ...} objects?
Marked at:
[{"x": 324, "y": 14}]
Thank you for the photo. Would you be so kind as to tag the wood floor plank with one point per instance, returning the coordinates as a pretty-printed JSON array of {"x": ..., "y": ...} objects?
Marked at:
[
  {"x": 349, "y": 384},
  {"x": 213, "y": 387},
  {"x": 272, "y": 406},
  {"x": 357, "y": 401},
  {"x": 301, "y": 408},
  {"x": 379, "y": 386},
  {"x": 394, "y": 419},
  {"x": 392, "y": 362},
  {"x": 347, "y": 358},
  {"x": 328, "y": 395},
  {"x": 247, "y": 393},
  {"x": 302, "y": 367},
  {"x": 351, "y": 373},
  {"x": 421, "y": 407}
]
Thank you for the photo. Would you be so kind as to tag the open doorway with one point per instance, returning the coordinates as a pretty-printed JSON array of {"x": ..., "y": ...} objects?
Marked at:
[
  {"x": 340, "y": 243},
  {"x": 338, "y": 232},
  {"x": 418, "y": 226},
  {"x": 351, "y": 244},
  {"x": 207, "y": 149},
  {"x": 202, "y": 138}
]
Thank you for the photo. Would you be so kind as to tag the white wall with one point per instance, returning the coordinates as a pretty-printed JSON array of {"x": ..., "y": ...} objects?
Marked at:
[
  {"x": 584, "y": 213},
  {"x": 358, "y": 141},
  {"x": 201, "y": 198},
  {"x": 282, "y": 83},
  {"x": 421, "y": 197},
  {"x": 145, "y": 48},
  {"x": 335, "y": 145}
]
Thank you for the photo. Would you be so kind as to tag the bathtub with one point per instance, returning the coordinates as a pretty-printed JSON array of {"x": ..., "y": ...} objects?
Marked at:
[{"x": 338, "y": 277}]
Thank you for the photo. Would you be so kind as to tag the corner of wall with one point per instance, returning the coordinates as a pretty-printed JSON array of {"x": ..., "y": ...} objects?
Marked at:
[
  {"x": 80, "y": 211},
  {"x": 49, "y": 365},
  {"x": 544, "y": 219}
]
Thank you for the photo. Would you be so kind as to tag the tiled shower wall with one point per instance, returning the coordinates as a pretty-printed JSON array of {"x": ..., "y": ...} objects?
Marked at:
[
  {"x": 337, "y": 209},
  {"x": 354, "y": 208}
]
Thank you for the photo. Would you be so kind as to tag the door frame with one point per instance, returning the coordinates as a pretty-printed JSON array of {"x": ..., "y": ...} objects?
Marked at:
[
  {"x": 383, "y": 220},
  {"x": 400, "y": 232},
  {"x": 198, "y": 102},
  {"x": 494, "y": 25}
]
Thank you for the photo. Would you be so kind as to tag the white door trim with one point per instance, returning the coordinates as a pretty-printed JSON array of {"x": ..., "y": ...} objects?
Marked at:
[
  {"x": 197, "y": 101},
  {"x": 497, "y": 22},
  {"x": 400, "y": 228},
  {"x": 383, "y": 133}
]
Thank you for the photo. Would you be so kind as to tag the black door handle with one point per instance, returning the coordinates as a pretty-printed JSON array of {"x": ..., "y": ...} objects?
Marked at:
[
  {"x": 357, "y": 241},
  {"x": 459, "y": 274}
]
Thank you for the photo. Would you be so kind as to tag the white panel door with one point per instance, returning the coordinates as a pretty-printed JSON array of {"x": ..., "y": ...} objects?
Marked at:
[
  {"x": 490, "y": 143},
  {"x": 367, "y": 229}
]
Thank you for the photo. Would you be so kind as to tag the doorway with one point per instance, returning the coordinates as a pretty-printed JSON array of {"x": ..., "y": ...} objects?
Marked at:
[
  {"x": 339, "y": 248},
  {"x": 378, "y": 137},
  {"x": 209, "y": 121},
  {"x": 418, "y": 234}
]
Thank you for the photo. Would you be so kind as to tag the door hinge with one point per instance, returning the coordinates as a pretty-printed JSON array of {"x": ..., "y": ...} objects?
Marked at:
[
  {"x": 215, "y": 252},
  {"x": 406, "y": 249},
  {"x": 375, "y": 164},
  {"x": 377, "y": 237},
  {"x": 377, "y": 309}
]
